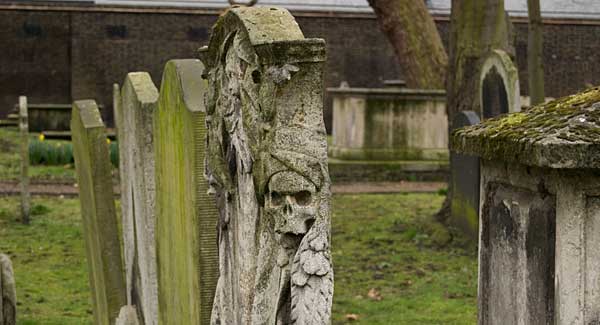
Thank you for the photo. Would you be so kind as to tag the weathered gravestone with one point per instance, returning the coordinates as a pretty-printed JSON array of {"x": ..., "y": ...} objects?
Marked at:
[
  {"x": 499, "y": 94},
  {"x": 24, "y": 133},
  {"x": 8, "y": 292},
  {"x": 465, "y": 183},
  {"x": 127, "y": 316},
  {"x": 100, "y": 229},
  {"x": 267, "y": 162},
  {"x": 498, "y": 86},
  {"x": 539, "y": 212},
  {"x": 186, "y": 216},
  {"x": 135, "y": 108}
]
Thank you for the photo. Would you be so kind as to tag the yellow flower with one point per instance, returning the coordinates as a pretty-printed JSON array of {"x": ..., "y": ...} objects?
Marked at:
[
  {"x": 108, "y": 140},
  {"x": 41, "y": 137}
]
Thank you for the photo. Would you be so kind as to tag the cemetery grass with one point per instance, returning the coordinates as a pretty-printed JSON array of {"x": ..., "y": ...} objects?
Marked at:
[{"x": 388, "y": 269}]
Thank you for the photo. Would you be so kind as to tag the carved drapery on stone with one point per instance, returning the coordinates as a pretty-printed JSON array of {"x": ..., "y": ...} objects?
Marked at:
[{"x": 267, "y": 164}]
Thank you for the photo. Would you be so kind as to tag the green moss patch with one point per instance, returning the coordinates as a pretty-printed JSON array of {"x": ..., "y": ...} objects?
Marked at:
[{"x": 564, "y": 133}]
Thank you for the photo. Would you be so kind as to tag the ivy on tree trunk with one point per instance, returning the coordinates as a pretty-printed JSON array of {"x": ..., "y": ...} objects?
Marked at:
[{"x": 535, "y": 65}]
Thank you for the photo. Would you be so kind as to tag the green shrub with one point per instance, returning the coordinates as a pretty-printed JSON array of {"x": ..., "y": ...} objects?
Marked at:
[
  {"x": 113, "y": 148},
  {"x": 50, "y": 153},
  {"x": 61, "y": 153}
]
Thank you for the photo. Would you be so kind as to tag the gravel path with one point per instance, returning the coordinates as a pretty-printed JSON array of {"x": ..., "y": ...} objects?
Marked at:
[{"x": 69, "y": 189}]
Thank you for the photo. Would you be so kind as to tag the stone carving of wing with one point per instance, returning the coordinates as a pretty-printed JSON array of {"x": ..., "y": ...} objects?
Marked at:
[{"x": 312, "y": 279}]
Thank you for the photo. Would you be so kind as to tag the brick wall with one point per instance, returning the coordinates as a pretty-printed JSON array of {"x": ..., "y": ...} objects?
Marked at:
[
  {"x": 34, "y": 57},
  {"x": 54, "y": 56}
]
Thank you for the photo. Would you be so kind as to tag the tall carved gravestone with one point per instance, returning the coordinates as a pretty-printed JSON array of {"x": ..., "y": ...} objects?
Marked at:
[
  {"x": 186, "y": 216},
  {"x": 267, "y": 163},
  {"x": 8, "y": 293},
  {"x": 100, "y": 229},
  {"x": 134, "y": 116}
]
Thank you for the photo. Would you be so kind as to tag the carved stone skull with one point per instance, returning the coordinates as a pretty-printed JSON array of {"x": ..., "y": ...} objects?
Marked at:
[{"x": 291, "y": 202}]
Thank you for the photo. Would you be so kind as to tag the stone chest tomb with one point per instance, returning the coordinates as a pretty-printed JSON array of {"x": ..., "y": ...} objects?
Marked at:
[
  {"x": 539, "y": 209},
  {"x": 389, "y": 124}
]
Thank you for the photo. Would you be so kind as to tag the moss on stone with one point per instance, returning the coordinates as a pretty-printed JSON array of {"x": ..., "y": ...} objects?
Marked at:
[{"x": 564, "y": 133}]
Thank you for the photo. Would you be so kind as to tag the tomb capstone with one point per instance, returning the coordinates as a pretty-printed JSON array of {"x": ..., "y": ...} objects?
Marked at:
[{"x": 267, "y": 164}]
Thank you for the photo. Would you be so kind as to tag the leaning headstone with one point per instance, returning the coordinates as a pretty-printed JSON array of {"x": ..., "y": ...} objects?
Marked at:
[
  {"x": 24, "y": 134},
  {"x": 127, "y": 316},
  {"x": 8, "y": 292},
  {"x": 539, "y": 212},
  {"x": 134, "y": 120},
  {"x": 100, "y": 228},
  {"x": 499, "y": 85},
  {"x": 267, "y": 163},
  {"x": 186, "y": 215},
  {"x": 464, "y": 209}
]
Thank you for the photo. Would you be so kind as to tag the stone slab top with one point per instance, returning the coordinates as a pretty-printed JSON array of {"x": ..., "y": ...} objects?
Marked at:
[
  {"x": 389, "y": 91},
  {"x": 58, "y": 107},
  {"x": 273, "y": 32},
  {"x": 564, "y": 133},
  {"x": 89, "y": 113}
]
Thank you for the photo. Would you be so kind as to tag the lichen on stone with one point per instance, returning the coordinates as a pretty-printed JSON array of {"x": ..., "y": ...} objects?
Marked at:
[{"x": 564, "y": 133}]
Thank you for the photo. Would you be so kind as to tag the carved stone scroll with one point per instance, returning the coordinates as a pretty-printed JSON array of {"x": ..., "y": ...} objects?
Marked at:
[
  {"x": 267, "y": 163},
  {"x": 134, "y": 116},
  {"x": 100, "y": 229},
  {"x": 186, "y": 216}
]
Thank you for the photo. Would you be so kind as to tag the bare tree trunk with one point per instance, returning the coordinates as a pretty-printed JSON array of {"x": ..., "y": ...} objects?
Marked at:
[
  {"x": 412, "y": 32},
  {"x": 535, "y": 65},
  {"x": 476, "y": 28}
]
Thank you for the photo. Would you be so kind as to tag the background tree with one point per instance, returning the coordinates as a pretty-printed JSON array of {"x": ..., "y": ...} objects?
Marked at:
[
  {"x": 412, "y": 32},
  {"x": 535, "y": 62},
  {"x": 477, "y": 27}
]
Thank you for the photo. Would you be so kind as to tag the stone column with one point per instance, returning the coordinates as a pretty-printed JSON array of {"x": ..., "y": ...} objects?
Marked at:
[{"x": 100, "y": 229}]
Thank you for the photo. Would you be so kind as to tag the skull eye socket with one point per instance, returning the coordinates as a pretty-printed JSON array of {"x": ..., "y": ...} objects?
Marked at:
[
  {"x": 277, "y": 198},
  {"x": 303, "y": 198}
]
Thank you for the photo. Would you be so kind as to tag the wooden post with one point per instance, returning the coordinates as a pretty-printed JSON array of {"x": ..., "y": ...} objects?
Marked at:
[
  {"x": 98, "y": 211},
  {"x": 24, "y": 130}
]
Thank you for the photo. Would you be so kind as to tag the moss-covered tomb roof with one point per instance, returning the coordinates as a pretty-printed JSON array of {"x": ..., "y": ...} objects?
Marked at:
[{"x": 564, "y": 133}]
